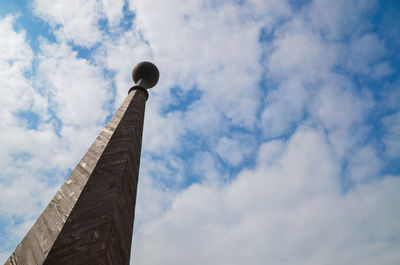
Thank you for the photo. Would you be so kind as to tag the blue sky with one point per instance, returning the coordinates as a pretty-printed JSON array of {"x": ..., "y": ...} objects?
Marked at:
[{"x": 273, "y": 135}]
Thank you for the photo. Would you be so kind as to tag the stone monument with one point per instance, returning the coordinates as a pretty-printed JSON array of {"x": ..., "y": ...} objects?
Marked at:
[{"x": 90, "y": 219}]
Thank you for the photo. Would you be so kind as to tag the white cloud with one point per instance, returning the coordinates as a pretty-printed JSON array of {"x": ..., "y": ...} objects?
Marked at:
[
  {"x": 364, "y": 163},
  {"x": 34, "y": 159},
  {"x": 300, "y": 62},
  {"x": 364, "y": 53},
  {"x": 342, "y": 111},
  {"x": 381, "y": 70},
  {"x": 392, "y": 136},
  {"x": 291, "y": 210},
  {"x": 17, "y": 92},
  {"x": 390, "y": 96},
  {"x": 120, "y": 56},
  {"x": 291, "y": 207},
  {"x": 79, "y": 95},
  {"x": 4, "y": 255},
  {"x": 24, "y": 152},
  {"x": 301, "y": 53},
  {"x": 303, "y": 64},
  {"x": 284, "y": 107},
  {"x": 221, "y": 65},
  {"x": 270, "y": 12},
  {"x": 206, "y": 166},
  {"x": 15, "y": 60},
  {"x": 72, "y": 83},
  {"x": 270, "y": 152},
  {"x": 339, "y": 19},
  {"x": 73, "y": 20},
  {"x": 113, "y": 10},
  {"x": 234, "y": 150}
]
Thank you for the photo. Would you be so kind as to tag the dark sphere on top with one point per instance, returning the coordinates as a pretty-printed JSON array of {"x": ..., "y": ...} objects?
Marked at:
[{"x": 146, "y": 71}]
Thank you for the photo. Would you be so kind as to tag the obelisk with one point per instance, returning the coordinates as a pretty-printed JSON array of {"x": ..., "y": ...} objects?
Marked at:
[{"x": 90, "y": 219}]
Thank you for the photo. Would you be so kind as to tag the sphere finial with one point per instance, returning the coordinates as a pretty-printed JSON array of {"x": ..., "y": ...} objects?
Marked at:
[{"x": 146, "y": 74}]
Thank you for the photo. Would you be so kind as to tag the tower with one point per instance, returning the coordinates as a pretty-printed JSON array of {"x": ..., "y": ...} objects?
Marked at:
[{"x": 90, "y": 219}]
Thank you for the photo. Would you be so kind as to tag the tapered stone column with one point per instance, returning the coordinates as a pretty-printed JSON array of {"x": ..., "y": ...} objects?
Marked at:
[{"x": 90, "y": 219}]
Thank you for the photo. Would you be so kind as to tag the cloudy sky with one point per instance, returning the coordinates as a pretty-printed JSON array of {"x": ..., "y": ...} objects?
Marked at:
[{"x": 272, "y": 137}]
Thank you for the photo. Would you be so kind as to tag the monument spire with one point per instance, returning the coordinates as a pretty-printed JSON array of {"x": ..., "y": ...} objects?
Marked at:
[{"x": 90, "y": 219}]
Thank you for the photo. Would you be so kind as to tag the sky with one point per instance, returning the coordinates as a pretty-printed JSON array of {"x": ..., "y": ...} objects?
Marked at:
[{"x": 272, "y": 137}]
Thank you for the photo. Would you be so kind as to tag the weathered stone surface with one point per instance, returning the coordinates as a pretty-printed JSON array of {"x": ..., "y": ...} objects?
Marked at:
[{"x": 90, "y": 219}]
